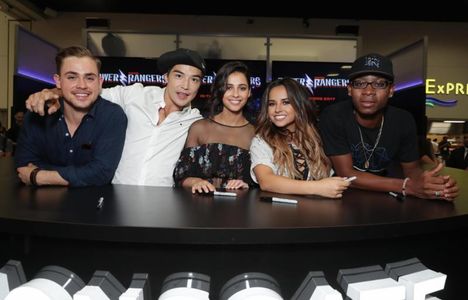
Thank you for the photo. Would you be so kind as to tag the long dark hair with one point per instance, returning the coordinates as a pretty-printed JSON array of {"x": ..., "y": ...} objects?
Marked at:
[
  {"x": 219, "y": 86},
  {"x": 306, "y": 135}
]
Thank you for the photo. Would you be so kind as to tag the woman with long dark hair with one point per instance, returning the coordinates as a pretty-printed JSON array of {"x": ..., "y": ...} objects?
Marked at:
[{"x": 216, "y": 153}]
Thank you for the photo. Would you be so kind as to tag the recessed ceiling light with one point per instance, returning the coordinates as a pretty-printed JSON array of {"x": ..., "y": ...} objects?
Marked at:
[{"x": 454, "y": 121}]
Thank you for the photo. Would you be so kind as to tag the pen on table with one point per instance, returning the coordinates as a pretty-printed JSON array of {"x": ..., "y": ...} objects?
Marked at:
[
  {"x": 100, "y": 203},
  {"x": 396, "y": 195},
  {"x": 229, "y": 194},
  {"x": 279, "y": 200},
  {"x": 283, "y": 200}
]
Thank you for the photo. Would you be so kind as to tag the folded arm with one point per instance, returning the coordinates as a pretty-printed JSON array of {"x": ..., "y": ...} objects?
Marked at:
[
  {"x": 331, "y": 187},
  {"x": 422, "y": 184},
  {"x": 33, "y": 151},
  {"x": 42, "y": 177}
]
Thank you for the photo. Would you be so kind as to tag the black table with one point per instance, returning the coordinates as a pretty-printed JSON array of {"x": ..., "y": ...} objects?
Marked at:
[{"x": 163, "y": 230}]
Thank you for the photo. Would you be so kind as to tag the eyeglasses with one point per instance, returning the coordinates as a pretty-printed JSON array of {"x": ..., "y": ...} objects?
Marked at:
[{"x": 379, "y": 85}]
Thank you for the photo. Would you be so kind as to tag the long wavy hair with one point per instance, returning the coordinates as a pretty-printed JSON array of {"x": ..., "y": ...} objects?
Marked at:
[
  {"x": 219, "y": 86},
  {"x": 306, "y": 136}
]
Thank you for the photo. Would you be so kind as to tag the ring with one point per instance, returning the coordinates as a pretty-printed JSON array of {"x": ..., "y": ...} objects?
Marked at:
[{"x": 437, "y": 193}]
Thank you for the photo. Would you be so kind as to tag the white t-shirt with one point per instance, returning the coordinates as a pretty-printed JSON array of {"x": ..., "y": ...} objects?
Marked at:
[
  {"x": 151, "y": 150},
  {"x": 261, "y": 154}
]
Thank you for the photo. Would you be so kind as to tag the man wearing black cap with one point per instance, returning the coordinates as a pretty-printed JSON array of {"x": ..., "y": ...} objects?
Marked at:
[
  {"x": 158, "y": 118},
  {"x": 363, "y": 136}
]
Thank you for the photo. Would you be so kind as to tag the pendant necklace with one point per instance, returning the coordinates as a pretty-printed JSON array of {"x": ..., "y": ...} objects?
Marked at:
[{"x": 368, "y": 158}]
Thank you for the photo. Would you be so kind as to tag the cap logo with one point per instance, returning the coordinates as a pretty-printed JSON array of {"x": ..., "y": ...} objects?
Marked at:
[{"x": 373, "y": 62}]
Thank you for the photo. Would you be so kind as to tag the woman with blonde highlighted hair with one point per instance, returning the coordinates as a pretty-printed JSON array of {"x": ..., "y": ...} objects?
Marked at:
[{"x": 287, "y": 154}]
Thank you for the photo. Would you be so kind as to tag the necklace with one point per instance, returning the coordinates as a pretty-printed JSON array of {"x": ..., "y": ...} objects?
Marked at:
[
  {"x": 366, "y": 163},
  {"x": 230, "y": 126}
]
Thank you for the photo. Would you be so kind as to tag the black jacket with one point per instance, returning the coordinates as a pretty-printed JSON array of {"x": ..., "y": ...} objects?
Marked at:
[{"x": 457, "y": 160}]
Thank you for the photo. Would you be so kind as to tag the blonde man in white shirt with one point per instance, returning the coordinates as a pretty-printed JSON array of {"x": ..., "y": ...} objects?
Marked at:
[{"x": 158, "y": 118}]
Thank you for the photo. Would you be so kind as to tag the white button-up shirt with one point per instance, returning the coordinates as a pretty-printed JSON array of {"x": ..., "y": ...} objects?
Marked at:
[{"x": 151, "y": 150}]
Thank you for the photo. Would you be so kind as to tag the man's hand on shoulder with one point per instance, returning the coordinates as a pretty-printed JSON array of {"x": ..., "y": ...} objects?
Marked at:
[{"x": 36, "y": 102}]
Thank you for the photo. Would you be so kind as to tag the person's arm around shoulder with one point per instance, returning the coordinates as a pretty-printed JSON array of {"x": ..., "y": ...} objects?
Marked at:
[
  {"x": 37, "y": 102},
  {"x": 49, "y": 98}
]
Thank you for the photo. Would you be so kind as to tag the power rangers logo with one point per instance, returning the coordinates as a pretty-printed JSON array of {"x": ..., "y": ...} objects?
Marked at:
[
  {"x": 133, "y": 77},
  {"x": 321, "y": 82}
]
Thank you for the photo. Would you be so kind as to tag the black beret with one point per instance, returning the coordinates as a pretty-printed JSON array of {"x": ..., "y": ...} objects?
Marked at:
[{"x": 181, "y": 56}]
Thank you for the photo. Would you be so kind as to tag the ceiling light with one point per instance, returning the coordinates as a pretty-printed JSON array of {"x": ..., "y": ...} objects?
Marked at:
[{"x": 454, "y": 121}]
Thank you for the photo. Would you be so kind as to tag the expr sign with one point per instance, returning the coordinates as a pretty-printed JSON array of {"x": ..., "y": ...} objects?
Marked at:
[{"x": 448, "y": 88}]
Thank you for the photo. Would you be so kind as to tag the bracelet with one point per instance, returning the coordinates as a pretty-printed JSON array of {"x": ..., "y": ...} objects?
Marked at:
[
  {"x": 33, "y": 175},
  {"x": 403, "y": 188}
]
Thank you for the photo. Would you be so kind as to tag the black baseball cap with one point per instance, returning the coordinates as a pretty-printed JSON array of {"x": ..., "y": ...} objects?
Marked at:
[
  {"x": 181, "y": 56},
  {"x": 372, "y": 64}
]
